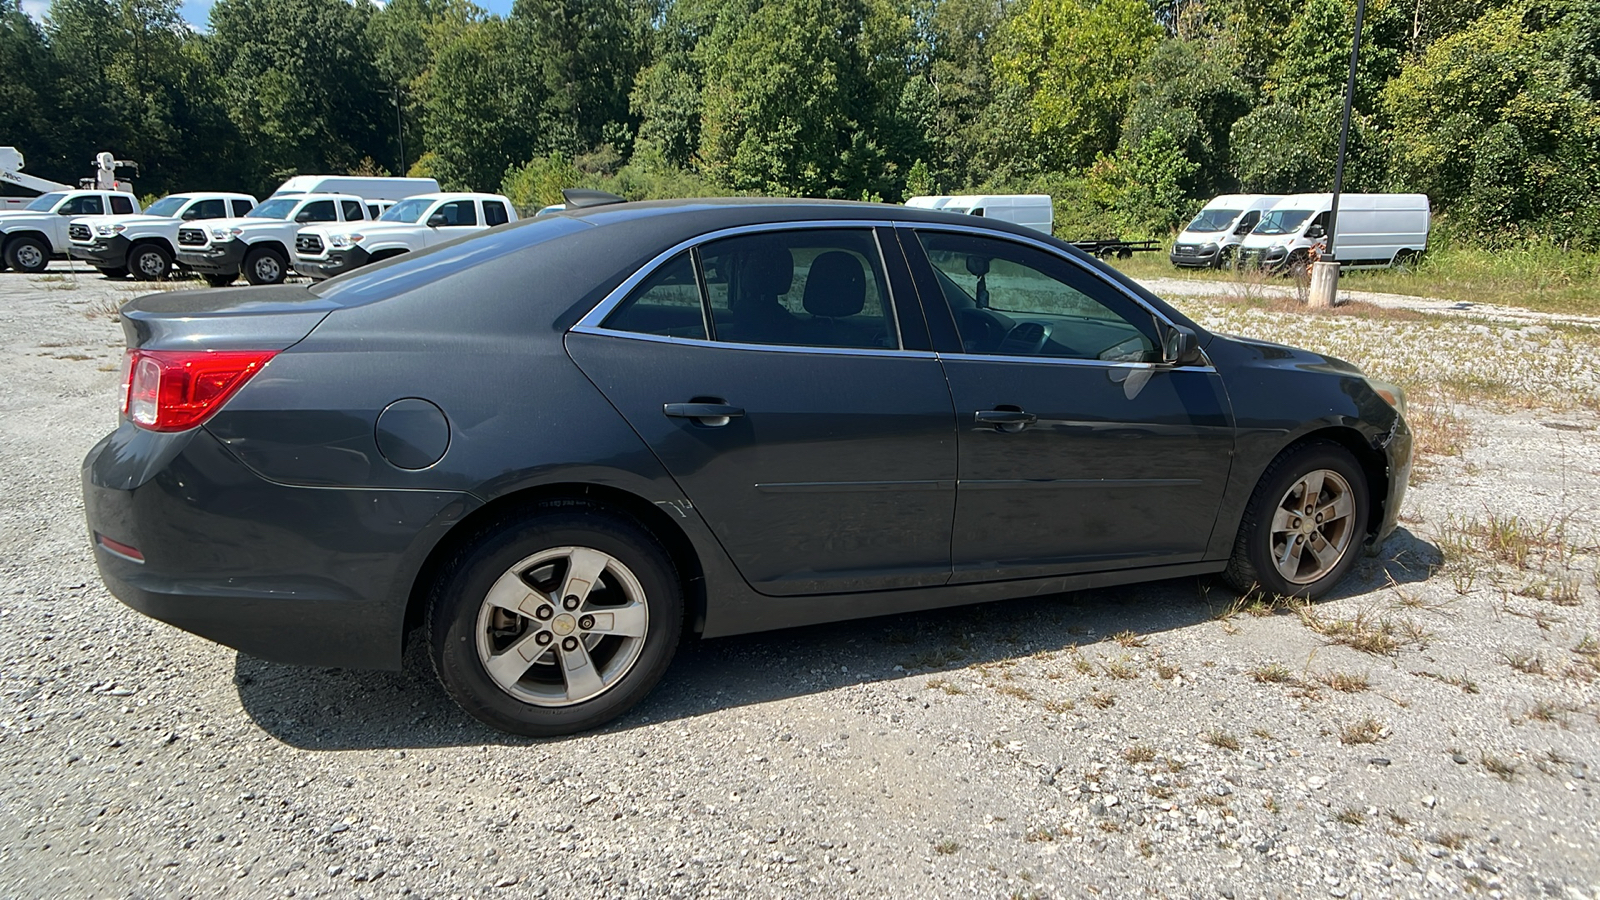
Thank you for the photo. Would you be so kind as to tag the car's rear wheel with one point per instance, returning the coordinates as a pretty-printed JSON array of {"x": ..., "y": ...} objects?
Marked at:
[
  {"x": 1305, "y": 525},
  {"x": 264, "y": 265},
  {"x": 149, "y": 262},
  {"x": 219, "y": 280},
  {"x": 557, "y": 622}
]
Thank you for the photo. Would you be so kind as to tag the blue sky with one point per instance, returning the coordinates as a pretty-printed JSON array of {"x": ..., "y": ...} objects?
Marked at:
[{"x": 197, "y": 11}]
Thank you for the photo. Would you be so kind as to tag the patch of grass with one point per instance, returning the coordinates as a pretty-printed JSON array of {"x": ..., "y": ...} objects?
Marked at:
[
  {"x": 941, "y": 684},
  {"x": 1121, "y": 668},
  {"x": 1262, "y": 733},
  {"x": 1139, "y": 753},
  {"x": 1504, "y": 769},
  {"x": 1168, "y": 670},
  {"x": 1015, "y": 690},
  {"x": 1059, "y": 706},
  {"x": 1083, "y": 666},
  {"x": 946, "y": 847},
  {"x": 1525, "y": 661},
  {"x": 1344, "y": 682},
  {"x": 1273, "y": 673},
  {"x": 1102, "y": 700},
  {"x": 1352, "y": 816},
  {"x": 1466, "y": 684},
  {"x": 1452, "y": 840},
  {"x": 1366, "y": 731},
  {"x": 1380, "y": 636},
  {"x": 1129, "y": 639},
  {"x": 1222, "y": 740},
  {"x": 1549, "y": 712}
]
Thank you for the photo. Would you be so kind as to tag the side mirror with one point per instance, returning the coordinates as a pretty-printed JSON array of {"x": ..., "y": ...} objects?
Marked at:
[
  {"x": 1244, "y": 227},
  {"x": 1180, "y": 347},
  {"x": 1316, "y": 231},
  {"x": 302, "y": 217},
  {"x": 436, "y": 220}
]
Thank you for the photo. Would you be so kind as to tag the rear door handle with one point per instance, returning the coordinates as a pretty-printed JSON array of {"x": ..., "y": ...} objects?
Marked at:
[
  {"x": 703, "y": 413},
  {"x": 1007, "y": 420}
]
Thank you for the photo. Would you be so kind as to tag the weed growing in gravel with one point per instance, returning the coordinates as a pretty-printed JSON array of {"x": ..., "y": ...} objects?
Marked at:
[
  {"x": 1273, "y": 673},
  {"x": 1461, "y": 681},
  {"x": 1504, "y": 769},
  {"x": 949, "y": 687},
  {"x": 1352, "y": 816},
  {"x": 1129, "y": 639},
  {"x": 946, "y": 847},
  {"x": 1344, "y": 682},
  {"x": 1453, "y": 840},
  {"x": 1015, "y": 690},
  {"x": 1102, "y": 701},
  {"x": 1139, "y": 753},
  {"x": 1222, "y": 740},
  {"x": 1121, "y": 668},
  {"x": 1168, "y": 670},
  {"x": 1083, "y": 666},
  {"x": 1524, "y": 661},
  {"x": 1380, "y": 636},
  {"x": 1549, "y": 712},
  {"x": 1059, "y": 706},
  {"x": 1366, "y": 731},
  {"x": 1262, "y": 733}
]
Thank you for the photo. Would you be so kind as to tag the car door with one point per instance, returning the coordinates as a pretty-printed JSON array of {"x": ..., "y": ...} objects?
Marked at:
[
  {"x": 805, "y": 421},
  {"x": 460, "y": 217},
  {"x": 1079, "y": 449}
]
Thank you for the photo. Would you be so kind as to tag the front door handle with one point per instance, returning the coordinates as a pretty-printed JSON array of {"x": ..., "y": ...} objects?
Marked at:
[
  {"x": 1010, "y": 420},
  {"x": 703, "y": 413}
]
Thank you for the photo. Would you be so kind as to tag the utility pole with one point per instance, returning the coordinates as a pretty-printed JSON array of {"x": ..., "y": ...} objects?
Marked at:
[
  {"x": 400, "y": 131},
  {"x": 1325, "y": 273}
]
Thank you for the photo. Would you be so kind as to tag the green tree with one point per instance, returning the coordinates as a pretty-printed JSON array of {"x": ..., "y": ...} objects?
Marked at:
[
  {"x": 481, "y": 113},
  {"x": 1190, "y": 92},
  {"x": 582, "y": 57},
  {"x": 28, "y": 93},
  {"x": 1072, "y": 61}
]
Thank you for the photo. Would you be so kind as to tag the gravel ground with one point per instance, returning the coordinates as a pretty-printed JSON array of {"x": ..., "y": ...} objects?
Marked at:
[{"x": 1164, "y": 740}]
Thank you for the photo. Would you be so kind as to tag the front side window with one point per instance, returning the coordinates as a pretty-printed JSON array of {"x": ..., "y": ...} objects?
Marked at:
[
  {"x": 206, "y": 209},
  {"x": 1009, "y": 299},
  {"x": 457, "y": 213},
  {"x": 1209, "y": 220},
  {"x": 408, "y": 211},
  {"x": 87, "y": 205},
  {"x": 276, "y": 208},
  {"x": 1282, "y": 221},
  {"x": 667, "y": 303},
  {"x": 808, "y": 288},
  {"x": 166, "y": 207},
  {"x": 44, "y": 202}
]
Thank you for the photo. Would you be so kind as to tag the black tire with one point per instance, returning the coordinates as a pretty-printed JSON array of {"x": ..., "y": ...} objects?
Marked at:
[
  {"x": 265, "y": 265},
  {"x": 1225, "y": 258},
  {"x": 149, "y": 262},
  {"x": 217, "y": 279},
  {"x": 113, "y": 271},
  {"x": 461, "y": 622},
  {"x": 28, "y": 255},
  {"x": 1254, "y": 563},
  {"x": 1298, "y": 266}
]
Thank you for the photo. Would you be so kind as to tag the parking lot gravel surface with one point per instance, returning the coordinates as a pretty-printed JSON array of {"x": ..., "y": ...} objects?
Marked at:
[{"x": 1431, "y": 730}]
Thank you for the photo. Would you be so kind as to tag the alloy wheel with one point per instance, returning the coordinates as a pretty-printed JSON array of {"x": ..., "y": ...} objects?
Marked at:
[
  {"x": 562, "y": 626},
  {"x": 1312, "y": 526}
]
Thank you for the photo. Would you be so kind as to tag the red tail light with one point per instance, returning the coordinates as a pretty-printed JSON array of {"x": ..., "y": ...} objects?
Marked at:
[{"x": 175, "y": 390}]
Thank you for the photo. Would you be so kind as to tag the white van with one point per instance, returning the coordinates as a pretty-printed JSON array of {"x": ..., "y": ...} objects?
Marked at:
[
  {"x": 1212, "y": 237},
  {"x": 365, "y": 188},
  {"x": 1375, "y": 230},
  {"x": 1028, "y": 210}
]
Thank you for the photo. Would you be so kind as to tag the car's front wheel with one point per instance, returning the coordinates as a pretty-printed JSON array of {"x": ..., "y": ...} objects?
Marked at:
[
  {"x": 265, "y": 265},
  {"x": 149, "y": 262},
  {"x": 557, "y": 622},
  {"x": 28, "y": 255},
  {"x": 1305, "y": 525}
]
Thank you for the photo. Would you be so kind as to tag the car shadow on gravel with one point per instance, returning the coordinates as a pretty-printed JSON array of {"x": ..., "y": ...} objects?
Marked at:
[{"x": 340, "y": 709}]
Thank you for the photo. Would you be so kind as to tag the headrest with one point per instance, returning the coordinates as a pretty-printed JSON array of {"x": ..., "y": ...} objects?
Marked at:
[
  {"x": 977, "y": 265},
  {"x": 765, "y": 269},
  {"x": 836, "y": 286}
]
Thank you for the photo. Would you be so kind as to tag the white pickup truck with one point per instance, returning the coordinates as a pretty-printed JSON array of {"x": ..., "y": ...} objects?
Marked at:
[
  {"x": 31, "y": 237},
  {"x": 146, "y": 244},
  {"x": 259, "y": 244},
  {"x": 323, "y": 251}
]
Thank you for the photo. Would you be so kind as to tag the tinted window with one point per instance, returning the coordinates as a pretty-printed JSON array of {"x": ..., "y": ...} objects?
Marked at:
[
  {"x": 206, "y": 209},
  {"x": 666, "y": 303},
  {"x": 458, "y": 212},
  {"x": 494, "y": 213},
  {"x": 317, "y": 211},
  {"x": 122, "y": 206},
  {"x": 87, "y": 205},
  {"x": 815, "y": 288},
  {"x": 241, "y": 207},
  {"x": 1014, "y": 300},
  {"x": 373, "y": 210},
  {"x": 353, "y": 210}
]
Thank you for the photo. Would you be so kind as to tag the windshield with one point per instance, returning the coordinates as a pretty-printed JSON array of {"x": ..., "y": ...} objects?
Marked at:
[
  {"x": 1282, "y": 221},
  {"x": 44, "y": 202},
  {"x": 1213, "y": 220},
  {"x": 275, "y": 208},
  {"x": 166, "y": 207},
  {"x": 407, "y": 211}
]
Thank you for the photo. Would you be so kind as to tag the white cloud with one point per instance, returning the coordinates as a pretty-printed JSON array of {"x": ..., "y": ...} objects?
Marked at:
[{"x": 36, "y": 9}]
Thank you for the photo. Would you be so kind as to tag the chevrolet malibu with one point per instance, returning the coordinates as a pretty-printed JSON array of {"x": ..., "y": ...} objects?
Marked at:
[{"x": 560, "y": 445}]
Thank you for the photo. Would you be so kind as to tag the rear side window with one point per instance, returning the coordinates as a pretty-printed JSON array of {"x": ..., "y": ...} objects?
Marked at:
[
  {"x": 373, "y": 210},
  {"x": 242, "y": 207},
  {"x": 206, "y": 209},
  {"x": 494, "y": 213},
  {"x": 667, "y": 303},
  {"x": 122, "y": 206},
  {"x": 318, "y": 211},
  {"x": 458, "y": 212},
  {"x": 353, "y": 210}
]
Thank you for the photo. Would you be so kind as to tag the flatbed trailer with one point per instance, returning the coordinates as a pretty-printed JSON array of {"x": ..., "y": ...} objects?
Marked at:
[{"x": 1118, "y": 249}]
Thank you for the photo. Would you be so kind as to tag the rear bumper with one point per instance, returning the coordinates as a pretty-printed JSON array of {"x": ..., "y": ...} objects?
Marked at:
[
  {"x": 336, "y": 262},
  {"x": 307, "y": 576},
  {"x": 104, "y": 253},
  {"x": 225, "y": 258}
]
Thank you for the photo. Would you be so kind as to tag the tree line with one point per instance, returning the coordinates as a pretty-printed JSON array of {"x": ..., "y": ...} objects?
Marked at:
[{"x": 1129, "y": 112}]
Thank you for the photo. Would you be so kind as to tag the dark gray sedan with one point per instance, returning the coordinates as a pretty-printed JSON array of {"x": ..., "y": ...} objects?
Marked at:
[{"x": 560, "y": 444}]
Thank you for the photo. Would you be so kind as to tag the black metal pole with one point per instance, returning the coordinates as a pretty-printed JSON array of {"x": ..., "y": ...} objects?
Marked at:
[
  {"x": 400, "y": 130},
  {"x": 1344, "y": 130}
]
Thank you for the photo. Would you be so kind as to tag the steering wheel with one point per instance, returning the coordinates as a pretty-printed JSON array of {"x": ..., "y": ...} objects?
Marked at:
[{"x": 1026, "y": 339}]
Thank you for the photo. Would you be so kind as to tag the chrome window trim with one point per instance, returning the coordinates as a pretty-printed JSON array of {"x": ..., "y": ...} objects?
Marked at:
[
  {"x": 602, "y": 309},
  {"x": 769, "y": 348},
  {"x": 1071, "y": 361}
]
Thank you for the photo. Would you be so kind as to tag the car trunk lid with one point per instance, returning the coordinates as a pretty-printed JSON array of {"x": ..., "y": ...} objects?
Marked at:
[{"x": 243, "y": 318}]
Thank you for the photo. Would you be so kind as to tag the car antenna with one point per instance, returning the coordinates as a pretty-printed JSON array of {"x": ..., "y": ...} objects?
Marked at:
[{"x": 580, "y": 198}]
